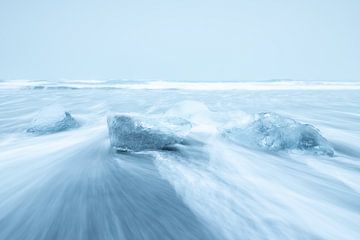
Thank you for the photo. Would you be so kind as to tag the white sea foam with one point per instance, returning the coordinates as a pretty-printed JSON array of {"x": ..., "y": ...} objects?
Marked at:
[{"x": 194, "y": 86}]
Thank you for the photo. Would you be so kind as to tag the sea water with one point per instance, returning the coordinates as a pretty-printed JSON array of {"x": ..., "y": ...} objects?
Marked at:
[{"x": 71, "y": 184}]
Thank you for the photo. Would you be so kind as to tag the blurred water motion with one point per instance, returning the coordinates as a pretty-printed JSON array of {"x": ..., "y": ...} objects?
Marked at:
[{"x": 72, "y": 185}]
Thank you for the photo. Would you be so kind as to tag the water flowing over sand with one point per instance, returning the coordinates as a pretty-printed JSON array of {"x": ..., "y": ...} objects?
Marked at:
[{"x": 71, "y": 184}]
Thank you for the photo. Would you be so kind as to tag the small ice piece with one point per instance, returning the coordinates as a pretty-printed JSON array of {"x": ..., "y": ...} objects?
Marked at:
[
  {"x": 177, "y": 125},
  {"x": 203, "y": 121},
  {"x": 131, "y": 133},
  {"x": 273, "y": 132},
  {"x": 52, "y": 119}
]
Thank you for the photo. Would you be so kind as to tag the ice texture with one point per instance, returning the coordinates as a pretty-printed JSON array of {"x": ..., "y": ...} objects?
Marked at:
[
  {"x": 131, "y": 133},
  {"x": 52, "y": 119},
  {"x": 274, "y": 132}
]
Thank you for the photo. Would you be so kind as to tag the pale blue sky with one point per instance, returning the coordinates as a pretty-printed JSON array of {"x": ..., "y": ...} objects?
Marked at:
[{"x": 180, "y": 39}]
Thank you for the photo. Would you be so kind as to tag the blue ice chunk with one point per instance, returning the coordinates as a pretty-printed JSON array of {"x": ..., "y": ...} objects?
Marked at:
[
  {"x": 52, "y": 119},
  {"x": 130, "y": 133},
  {"x": 273, "y": 132}
]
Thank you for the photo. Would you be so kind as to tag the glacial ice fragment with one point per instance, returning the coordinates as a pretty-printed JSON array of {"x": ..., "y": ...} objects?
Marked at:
[
  {"x": 52, "y": 119},
  {"x": 273, "y": 132},
  {"x": 130, "y": 133}
]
